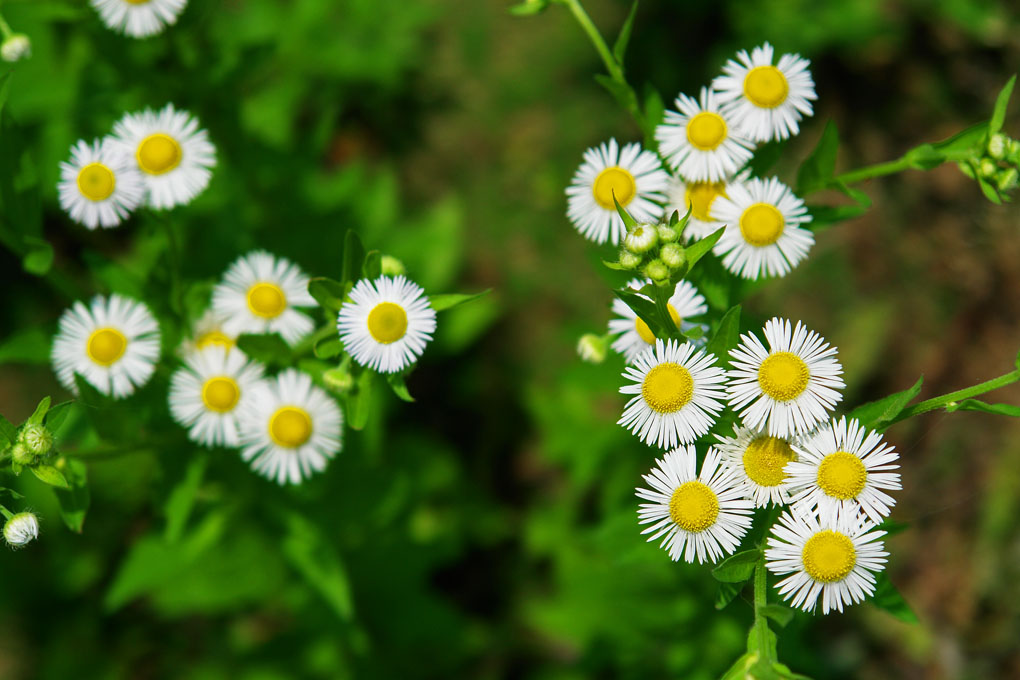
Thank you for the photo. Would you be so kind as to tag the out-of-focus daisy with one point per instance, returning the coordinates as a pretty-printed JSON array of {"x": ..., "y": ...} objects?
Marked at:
[
  {"x": 634, "y": 176},
  {"x": 699, "y": 517},
  {"x": 290, "y": 428},
  {"x": 634, "y": 335},
  {"x": 761, "y": 462},
  {"x": 387, "y": 323},
  {"x": 699, "y": 142},
  {"x": 766, "y": 102},
  {"x": 113, "y": 343},
  {"x": 843, "y": 467},
  {"x": 677, "y": 390},
  {"x": 208, "y": 392},
  {"x": 260, "y": 293},
  {"x": 763, "y": 233},
  {"x": 788, "y": 388},
  {"x": 99, "y": 186},
  {"x": 139, "y": 18},
  {"x": 835, "y": 558},
  {"x": 173, "y": 154},
  {"x": 208, "y": 332},
  {"x": 698, "y": 197}
]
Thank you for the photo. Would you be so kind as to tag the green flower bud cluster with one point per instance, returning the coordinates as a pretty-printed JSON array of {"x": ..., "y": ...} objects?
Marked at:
[
  {"x": 998, "y": 165},
  {"x": 654, "y": 250},
  {"x": 593, "y": 348}
]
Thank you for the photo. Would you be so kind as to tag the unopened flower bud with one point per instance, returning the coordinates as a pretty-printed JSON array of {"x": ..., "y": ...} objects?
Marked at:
[
  {"x": 641, "y": 238},
  {"x": 988, "y": 168},
  {"x": 998, "y": 146},
  {"x": 592, "y": 348},
  {"x": 21, "y": 529},
  {"x": 657, "y": 271},
  {"x": 668, "y": 234},
  {"x": 16, "y": 47},
  {"x": 37, "y": 439},
  {"x": 629, "y": 260},
  {"x": 21, "y": 454},
  {"x": 673, "y": 255},
  {"x": 1007, "y": 179},
  {"x": 391, "y": 266},
  {"x": 338, "y": 379}
]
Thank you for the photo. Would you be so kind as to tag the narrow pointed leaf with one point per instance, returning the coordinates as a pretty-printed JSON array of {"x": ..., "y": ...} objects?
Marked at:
[
  {"x": 620, "y": 47},
  {"x": 1001, "y": 104}
]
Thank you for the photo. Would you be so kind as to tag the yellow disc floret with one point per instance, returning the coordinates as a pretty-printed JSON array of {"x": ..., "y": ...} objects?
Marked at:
[
  {"x": 158, "y": 153},
  {"x": 842, "y": 475},
  {"x": 614, "y": 181},
  {"x": 693, "y": 507},
  {"x": 667, "y": 388},
  {"x": 96, "y": 182},
  {"x": 646, "y": 333},
  {"x": 105, "y": 346},
  {"x": 700, "y": 195},
  {"x": 214, "y": 338},
  {"x": 829, "y": 556},
  {"x": 765, "y": 458},
  {"x": 266, "y": 300},
  {"x": 706, "y": 131},
  {"x": 220, "y": 394},
  {"x": 762, "y": 224},
  {"x": 290, "y": 426},
  {"x": 387, "y": 322},
  {"x": 783, "y": 376},
  {"x": 766, "y": 87}
]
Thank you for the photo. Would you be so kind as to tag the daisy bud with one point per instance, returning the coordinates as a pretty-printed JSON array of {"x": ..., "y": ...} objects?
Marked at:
[
  {"x": 16, "y": 47},
  {"x": 338, "y": 380},
  {"x": 629, "y": 260},
  {"x": 592, "y": 348},
  {"x": 673, "y": 255},
  {"x": 668, "y": 234},
  {"x": 641, "y": 238},
  {"x": 657, "y": 271},
  {"x": 37, "y": 439},
  {"x": 998, "y": 146},
  {"x": 391, "y": 266},
  {"x": 21, "y": 529},
  {"x": 988, "y": 168},
  {"x": 1013, "y": 153},
  {"x": 1007, "y": 179},
  {"x": 21, "y": 454}
]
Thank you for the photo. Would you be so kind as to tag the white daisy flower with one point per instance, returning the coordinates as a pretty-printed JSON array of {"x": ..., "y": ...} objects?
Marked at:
[
  {"x": 113, "y": 344},
  {"x": 788, "y": 388},
  {"x": 633, "y": 175},
  {"x": 173, "y": 154},
  {"x": 290, "y": 428},
  {"x": 99, "y": 186},
  {"x": 260, "y": 293},
  {"x": 834, "y": 557},
  {"x": 843, "y": 467},
  {"x": 699, "y": 517},
  {"x": 698, "y": 197},
  {"x": 764, "y": 233},
  {"x": 138, "y": 18},
  {"x": 208, "y": 331},
  {"x": 208, "y": 392},
  {"x": 676, "y": 390},
  {"x": 699, "y": 142},
  {"x": 634, "y": 335},
  {"x": 21, "y": 529},
  {"x": 387, "y": 323},
  {"x": 761, "y": 463},
  {"x": 766, "y": 102}
]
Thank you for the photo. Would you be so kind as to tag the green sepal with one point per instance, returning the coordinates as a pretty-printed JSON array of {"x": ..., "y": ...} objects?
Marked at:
[{"x": 446, "y": 301}]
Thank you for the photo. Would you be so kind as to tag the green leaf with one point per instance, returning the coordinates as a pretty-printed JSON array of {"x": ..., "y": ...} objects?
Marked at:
[
  {"x": 50, "y": 475},
  {"x": 655, "y": 111},
  {"x": 990, "y": 192},
  {"x": 877, "y": 414},
  {"x": 443, "y": 302},
  {"x": 353, "y": 259},
  {"x": 621, "y": 92},
  {"x": 778, "y": 613},
  {"x": 89, "y": 395},
  {"x": 56, "y": 415},
  {"x": 818, "y": 169},
  {"x": 182, "y": 498},
  {"x": 628, "y": 221},
  {"x": 766, "y": 156},
  {"x": 40, "y": 412},
  {"x": 963, "y": 144},
  {"x": 396, "y": 381},
  {"x": 327, "y": 348},
  {"x": 74, "y": 502},
  {"x": 620, "y": 47},
  {"x": 737, "y": 568},
  {"x": 925, "y": 157},
  {"x": 372, "y": 269},
  {"x": 700, "y": 248},
  {"x": 359, "y": 400},
  {"x": 977, "y": 405},
  {"x": 30, "y": 345},
  {"x": 888, "y": 598},
  {"x": 529, "y": 7},
  {"x": 644, "y": 308},
  {"x": 269, "y": 348},
  {"x": 726, "y": 336},
  {"x": 327, "y": 292},
  {"x": 319, "y": 564},
  {"x": 616, "y": 266},
  {"x": 726, "y": 593},
  {"x": 1001, "y": 103},
  {"x": 8, "y": 431},
  {"x": 891, "y": 527},
  {"x": 39, "y": 258}
]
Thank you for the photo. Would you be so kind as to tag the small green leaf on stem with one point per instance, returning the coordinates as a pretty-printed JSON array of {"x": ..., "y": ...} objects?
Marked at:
[
  {"x": 353, "y": 258},
  {"x": 778, "y": 613},
  {"x": 327, "y": 348},
  {"x": 977, "y": 405},
  {"x": 726, "y": 336},
  {"x": 74, "y": 502},
  {"x": 399, "y": 387},
  {"x": 628, "y": 221},
  {"x": 737, "y": 568},
  {"x": 50, "y": 475},
  {"x": 40, "y": 412},
  {"x": 372, "y": 268},
  {"x": 644, "y": 308},
  {"x": 530, "y": 7},
  {"x": 443, "y": 302},
  {"x": 620, "y": 47},
  {"x": 269, "y": 348},
  {"x": 888, "y": 598},
  {"x": 818, "y": 169},
  {"x": 877, "y": 414},
  {"x": 39, "y": 256},
  {"x": 726, "y": 593},
  {"x": 327, "y": 292},
  {"x": 8, "y": 431},
  {"x": 56, "y": 415},
  {"x": 700, "y": 248},
  {"x": 1001, "y": 103}
]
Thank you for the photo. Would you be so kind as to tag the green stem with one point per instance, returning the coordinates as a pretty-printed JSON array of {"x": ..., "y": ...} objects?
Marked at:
[
  {"x": 174, "y": 254},
  {"x": 877, "y": 170},
  {"x": 966, "y": 393},
  {"x": 56, "y": 278},
  {"x": 665, "y": 318}
]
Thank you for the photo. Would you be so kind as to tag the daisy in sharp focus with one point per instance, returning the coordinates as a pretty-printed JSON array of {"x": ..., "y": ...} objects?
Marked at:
[
  {"x": 764, "y": 233},
  {"x": 634, "y": 334},
  {"x": 387, "y": 323},
  {"x": 677, "y": 391},
  {"x": 208, "y": 392},
  {"x": 634, "y": 176},
  {"x": 761, "y": 461},
  {"x": 788, "y": 388},
  {"x": 699, "y": 517},
  {"x": 113, "y": 344},
  {"x": 698, "y": 197},
  {"x": 843, "y": 467},
  {"x": 174, "y": 155},
  {"x": 766, "y": 102},
  {"x": 138, "y": 18},
  {"x": 99, "y": 186},
  {"x": 260, "y": 293},
  {"x": 699, "y": 142},
  {"x": 290, "y": 428},
  {"x": 835, "y": 558}
]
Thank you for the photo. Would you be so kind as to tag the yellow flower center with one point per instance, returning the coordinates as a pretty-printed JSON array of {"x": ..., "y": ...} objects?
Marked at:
[
  {"x": 829, "y": 556},
  {"x": 762, "y": 224},
  {"x": 614, "y": 180},
  {"x": 783, "y": 376},
  {"x": 220, "y": 394},
  {"x": 158, "y": 153},
  {"x": 290, "y": 426},
  {"x": 387, "y": 322},
  {"x": 137, "y": 2},
  {"x": 266, "y": 300},
  {"x": 215, "y": 338},
  {"x": 105, "y": 346},
  {"x": 646, "y": 333},
  {"x": 667, "y": 388},
  {"x": 765, "y": 458},
  {"x": 842, "y": 475},
  {"x": 706, "y": 130},
  {"x": 96, "y": 182},
  {"x": 700, "y": 195},
  {"x": 693, "y": 507},
  {"x": 766, "y": 87}
]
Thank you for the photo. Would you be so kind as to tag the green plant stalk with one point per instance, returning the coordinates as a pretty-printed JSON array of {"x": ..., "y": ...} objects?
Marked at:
[
  {"x": 176, "y": 303},
  {"x": 761, "y": 622},
  {"x": 966, "y": 393},
  {"x": 665, "y": 318},
  {"x": 872, "y": 171}
]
